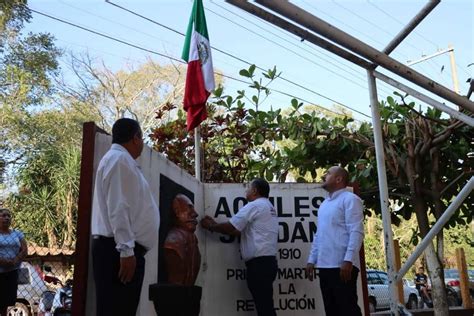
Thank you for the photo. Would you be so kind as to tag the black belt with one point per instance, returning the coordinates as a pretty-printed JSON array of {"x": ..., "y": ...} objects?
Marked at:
[{"x": 139, "y": 250}]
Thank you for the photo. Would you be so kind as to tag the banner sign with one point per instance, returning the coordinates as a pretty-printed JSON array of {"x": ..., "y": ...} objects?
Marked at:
[{"x": 225, "y": 289}]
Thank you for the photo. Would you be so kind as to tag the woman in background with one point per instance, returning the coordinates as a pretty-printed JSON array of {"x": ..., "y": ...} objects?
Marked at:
[{"x": 13, "y": 250}]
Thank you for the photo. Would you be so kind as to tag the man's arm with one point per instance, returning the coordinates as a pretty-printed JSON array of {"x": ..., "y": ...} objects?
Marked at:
[
  {"x": 312, "y": 259},
  {"x": 224, "y": 228},
  {"x": 122, "y": 191},
  {"x": 354, "y": 216}
]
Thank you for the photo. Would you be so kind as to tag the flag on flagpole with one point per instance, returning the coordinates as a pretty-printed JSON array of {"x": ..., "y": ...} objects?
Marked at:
[{"x": 200, "y": 73}]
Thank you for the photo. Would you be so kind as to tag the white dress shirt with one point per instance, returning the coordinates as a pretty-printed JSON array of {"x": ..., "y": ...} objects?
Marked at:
[
  {"x": 258, "y": 225},
  {"x": 340, "y": 231},
  {"x": 123, "y": 205}
]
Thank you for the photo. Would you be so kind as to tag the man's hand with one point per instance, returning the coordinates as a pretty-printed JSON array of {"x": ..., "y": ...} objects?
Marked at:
[
  {"x": 310, "y": 271},
  {"x": 127, "y": 269},
  {"x": 207, "y": 222},
  {"x": 346, "y": 271}
]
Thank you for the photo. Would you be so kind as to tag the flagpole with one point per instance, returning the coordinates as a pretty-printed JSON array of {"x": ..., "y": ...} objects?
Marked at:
[{"x": 197, "y": 152}]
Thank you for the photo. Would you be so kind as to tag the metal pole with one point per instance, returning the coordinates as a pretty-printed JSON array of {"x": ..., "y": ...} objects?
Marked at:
[
  {"x": 332, "y": 33},
  {"x": 411, "y": 26},
  {"x": 441, "y": 52},
  {"x": 383, "y": 187},
  {"x": 454, "y": 71},
  {"x": 420, "y": 96},
  {"x": 455, "y": 204},
  {"x": 197, "y": 153}
]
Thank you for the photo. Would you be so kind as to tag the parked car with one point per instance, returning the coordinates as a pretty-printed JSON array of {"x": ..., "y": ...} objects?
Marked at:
[
  {"x": 451, "y": 279},
  {"x": 379, "y": 298},
  {"x": 30, "y": 288},
  {"x": 411, "y": 284}
]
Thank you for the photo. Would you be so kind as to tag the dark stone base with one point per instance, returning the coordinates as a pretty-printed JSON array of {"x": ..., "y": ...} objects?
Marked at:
[{"x": 175, "y": 300}]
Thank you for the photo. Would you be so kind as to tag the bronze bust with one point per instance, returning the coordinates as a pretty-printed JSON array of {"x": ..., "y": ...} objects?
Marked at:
[{"x": 181, "y": 252}]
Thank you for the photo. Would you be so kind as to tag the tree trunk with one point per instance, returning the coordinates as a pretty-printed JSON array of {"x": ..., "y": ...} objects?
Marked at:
[
  {"x": 439, "y": 207},
  {"x": 438, "y": 289},
  {"x": 415, "y": 161},
  {"x": 434, "y": 266}
]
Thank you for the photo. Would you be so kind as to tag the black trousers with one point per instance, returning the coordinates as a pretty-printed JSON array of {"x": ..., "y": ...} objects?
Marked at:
[
  {"x": 261, "y": 272},
  {"x": 112, "y": 296},
  {"x": 8, "y": 288},
  {"x": 340, "y": 298}
]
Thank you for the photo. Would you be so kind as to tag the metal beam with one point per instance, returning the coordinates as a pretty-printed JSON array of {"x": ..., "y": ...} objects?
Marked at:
[
  {"x": 300, "y": 32},
  {"x": 339, "y": 37},
  {"x": 420, "y": 96},
  {"x": 411, "y": 26},
  {"x": 383, "y": 192},
  {"x": 414, "y": 62},
  {"x": 455, "y": 204}
]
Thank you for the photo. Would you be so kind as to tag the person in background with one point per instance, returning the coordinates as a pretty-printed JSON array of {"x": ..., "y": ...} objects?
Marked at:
[
  {"x": 125, "y": 223},
  {"x": 336, "y": 245},
  {"x": 257, "y": 225},
  {"x": 13, "y": 249},
  {"x": 421, "y": 283}
]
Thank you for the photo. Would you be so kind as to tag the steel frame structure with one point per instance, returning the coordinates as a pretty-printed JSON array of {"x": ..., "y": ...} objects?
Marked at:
[{"x": 313, "y": 29}]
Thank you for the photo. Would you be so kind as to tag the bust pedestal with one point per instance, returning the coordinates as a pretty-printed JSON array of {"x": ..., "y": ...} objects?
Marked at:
[{"x": 176, "y": 300}]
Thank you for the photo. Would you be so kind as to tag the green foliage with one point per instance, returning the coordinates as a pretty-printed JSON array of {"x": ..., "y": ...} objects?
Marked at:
[
  {"x": 27, "y": 62},
  {"x": 408, "y": 236},
  {"x": 40, "y": 143},
  {"x": 47, "y": 198},
  {"x": 428, "y": 156}
]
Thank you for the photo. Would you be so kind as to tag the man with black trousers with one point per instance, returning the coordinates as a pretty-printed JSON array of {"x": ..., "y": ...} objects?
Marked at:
[
  {"x": 336, "y": 245},
  {"x": 125, "y": 223},
  {"x": 257, "y": 225}
]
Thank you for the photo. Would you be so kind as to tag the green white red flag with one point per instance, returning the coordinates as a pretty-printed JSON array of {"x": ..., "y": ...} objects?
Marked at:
[{"x": 200, "y": 73}]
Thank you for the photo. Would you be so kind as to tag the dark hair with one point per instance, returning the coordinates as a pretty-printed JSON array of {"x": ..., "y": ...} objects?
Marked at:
[
  {"x": 262, "y": 187},
  {"x": 124, "y": 130}
]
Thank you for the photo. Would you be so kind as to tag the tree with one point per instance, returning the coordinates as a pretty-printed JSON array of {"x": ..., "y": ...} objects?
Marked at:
[
  {"x": 27, "y": 65},
  {"x": 48, "y": 198},
  {"x": 136, "y": 91}
]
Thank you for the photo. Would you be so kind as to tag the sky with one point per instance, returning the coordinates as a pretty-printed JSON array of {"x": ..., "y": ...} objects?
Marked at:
[{"x": 326, "y": 78}]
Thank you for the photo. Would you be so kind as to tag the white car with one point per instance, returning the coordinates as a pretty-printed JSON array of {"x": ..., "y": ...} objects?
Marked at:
[
  {"x": 30, "y": 288},
  {"x": 379, "y": 297}
]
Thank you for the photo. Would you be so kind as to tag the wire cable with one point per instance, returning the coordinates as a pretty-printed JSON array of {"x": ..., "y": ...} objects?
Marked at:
[
  {"x": 359, "y": 75},
  {"x": 415, "y": 32},
  {"x": 237, "y": 58},
  {"x": 183, "y": 62}
]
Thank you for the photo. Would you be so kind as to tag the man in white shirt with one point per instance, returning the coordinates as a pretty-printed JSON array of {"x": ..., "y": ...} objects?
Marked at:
[
  {"x": 336, "y": 245},
  {"x": 257, "y": 225},
  {"x": 125, "y": 223}
]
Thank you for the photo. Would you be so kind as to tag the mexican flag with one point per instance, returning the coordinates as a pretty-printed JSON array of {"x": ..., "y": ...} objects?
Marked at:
[{"x": 200, "y": 74}]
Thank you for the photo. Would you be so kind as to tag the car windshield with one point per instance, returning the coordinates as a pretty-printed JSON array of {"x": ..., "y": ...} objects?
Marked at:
[
  {"x": 451, "y": 274},
  {"x": 471, "y": 274}
]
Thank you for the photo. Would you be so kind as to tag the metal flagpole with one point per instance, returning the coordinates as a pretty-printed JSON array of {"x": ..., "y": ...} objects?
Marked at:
[
  {"x": 382, "y": 177},
  {"x": 197, "y": 152}
]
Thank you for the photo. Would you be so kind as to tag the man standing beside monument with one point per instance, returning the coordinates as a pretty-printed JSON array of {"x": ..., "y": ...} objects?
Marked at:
[
  {"x": 125, "y": 223},
  {"x": 257, "y": 225},
  {"x": 336, "y": 245}
]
